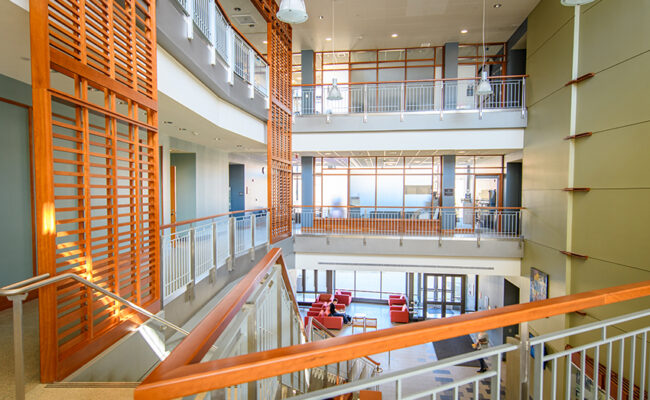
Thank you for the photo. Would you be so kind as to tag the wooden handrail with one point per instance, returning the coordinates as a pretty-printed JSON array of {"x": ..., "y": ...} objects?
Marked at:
[
  {"x": 182, "y": 379},
  {"x": 410, "y": 81},
  {"x": 419, "y": 208},
  {"x": 331, "y": 334},
  {"x": 191, "y": 221},
  {"x": 225, "y": 15}
]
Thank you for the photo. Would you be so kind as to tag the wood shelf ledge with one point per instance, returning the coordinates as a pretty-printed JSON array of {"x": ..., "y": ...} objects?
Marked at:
[
  {"x": 577, "y": 189},
  {"x": 580, "y": 79},
  {"x": 571, "y": 254},
  {"x": 579, "y": 136}
]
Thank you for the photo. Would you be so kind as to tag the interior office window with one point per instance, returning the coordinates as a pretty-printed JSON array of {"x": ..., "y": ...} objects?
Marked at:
[
  {"x": 344, "y": 280},
  {"x": 310, "y": 281},
  {"x": 390, "y": 194},
  {"x": 368, "y": 284},
  {"x": 362, "y": 195},
  {"x": 321, "y": 281},
  {"x": 392, "y": 283}
]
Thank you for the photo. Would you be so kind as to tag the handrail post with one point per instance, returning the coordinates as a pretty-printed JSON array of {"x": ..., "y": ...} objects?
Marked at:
[
  {"x": 212, "y": 23},
  {"x": 365, "y": 103},
  {"x": 251, "y": 73},
  {"x": 19, "y": 360},
  {"x": 231, "y": 244},
  {"x": 538, "y": 385},
  {"x": 189, "y": 21},
  {"x": 252, "y": 251},
  {"x": 442, "y": 99},
  {"x": 402, "y": 101},
  {"x": 523, "y": 97},
  {"x": 230, "y": 51}
]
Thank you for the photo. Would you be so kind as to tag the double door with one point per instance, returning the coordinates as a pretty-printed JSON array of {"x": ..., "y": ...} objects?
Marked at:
[{"x": 444, "y": 295}]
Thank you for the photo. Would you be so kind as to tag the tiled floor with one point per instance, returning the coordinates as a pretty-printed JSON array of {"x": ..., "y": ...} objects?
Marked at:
[{"x": 413, "y": 356}]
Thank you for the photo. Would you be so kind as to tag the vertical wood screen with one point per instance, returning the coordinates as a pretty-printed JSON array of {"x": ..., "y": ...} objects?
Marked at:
[
  {"x": 279, "y": 124},
  {"x": 96, "y": 164}
]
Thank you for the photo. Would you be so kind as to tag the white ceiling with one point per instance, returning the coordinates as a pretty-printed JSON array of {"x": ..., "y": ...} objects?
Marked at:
[{"x": 369, "y": 24}]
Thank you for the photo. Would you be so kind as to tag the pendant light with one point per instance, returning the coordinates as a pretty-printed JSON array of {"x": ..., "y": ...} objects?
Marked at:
[
  {"x": 333, "y": 93},
  {"x": 292, "y": 12},
  {"x": 572, "y": 3},
  {"x": 484, "y": 88}
]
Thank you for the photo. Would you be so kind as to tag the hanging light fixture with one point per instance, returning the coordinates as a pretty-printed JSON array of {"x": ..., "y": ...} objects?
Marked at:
[
  {"x": 572, "y": 3},
  {"x": 484, "y": 88},
  {"x": 292, "y": 12},
  {"x": 333, "y": 93}
]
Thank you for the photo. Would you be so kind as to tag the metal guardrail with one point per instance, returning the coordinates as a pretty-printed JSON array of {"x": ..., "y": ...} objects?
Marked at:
[
  {"x": 189, "y": 255},
  {"x": 226, "y": 43},
  {"x": 432, "y": 96},
  {"x": 433, "y": 222},
  {"x": 17, "y": 293}
]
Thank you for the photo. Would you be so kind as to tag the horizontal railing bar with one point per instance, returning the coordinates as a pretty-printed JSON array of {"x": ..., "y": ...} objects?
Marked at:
[
  {"x": 195, "y": 378},
  {"x": 418, "y": 208},
  {"x": 331, "y": 334},
  {"x": 29, "y": 285},
  {"x": 451, "y": 385},
  {"x": 191, "y": 221},
  {"x": 597, "y": 343},
  {"x": 26, "y": 282},
  {"x": 392, "y": 376},
  {"x": 588, "y": 327},
  {"x": 410, "y": 81}
]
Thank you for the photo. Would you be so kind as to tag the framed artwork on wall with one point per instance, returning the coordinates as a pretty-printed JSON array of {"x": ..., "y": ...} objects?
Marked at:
[{"x": 538, "y": 285}]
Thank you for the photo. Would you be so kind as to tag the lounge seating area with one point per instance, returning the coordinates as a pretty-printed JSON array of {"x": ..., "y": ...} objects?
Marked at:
[
  {"x": 320, "y": 309},
  {"x": 399, "y": 310}
]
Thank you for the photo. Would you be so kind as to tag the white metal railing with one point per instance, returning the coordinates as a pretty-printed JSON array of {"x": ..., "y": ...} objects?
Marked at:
[
  {"x": 241, "y": 65},
  {"x": 190, "y": 254},
  {"x": 573, "y": 370},
  {"x": 238, "y": 56},
  {"x": 433, "y": 222},
  {"x": 255, "y": 328},
  {"x": 441, "y": 96},
  {"x": 176, "y": 260},
  {"x": 422, "y": 372}
]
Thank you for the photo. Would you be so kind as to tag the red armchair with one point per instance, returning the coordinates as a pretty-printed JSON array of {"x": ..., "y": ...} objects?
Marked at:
[
  {"x": 343, "y": 297},
  {"x": 396, "y": 300},
  {"x": 399, "y": 313},
  {"x": 324, "y": 298}
]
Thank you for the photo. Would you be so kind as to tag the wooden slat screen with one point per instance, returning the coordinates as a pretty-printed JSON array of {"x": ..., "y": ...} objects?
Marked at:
[
  {"x": 279, "y": 124},
  {"x": 95, "y": 139}
]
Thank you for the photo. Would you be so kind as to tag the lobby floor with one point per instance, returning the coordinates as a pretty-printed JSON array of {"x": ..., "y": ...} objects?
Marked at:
[{"x": 413, "y": 356}]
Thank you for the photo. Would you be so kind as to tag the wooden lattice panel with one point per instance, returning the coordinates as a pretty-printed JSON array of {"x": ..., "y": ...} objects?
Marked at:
[
  {"x": 95, "y": 142},
  {"x": 279, "y": 124}
]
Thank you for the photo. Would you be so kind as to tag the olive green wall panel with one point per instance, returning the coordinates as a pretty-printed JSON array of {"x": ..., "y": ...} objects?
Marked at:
[
  {"x": 550, "y": 66},
  {"x": 546, "y": 19},
  {"x": 616, "y": 158},
  {"x": 611, "y": 33},
  {"x": 545, "y": 217},
  {"x": 613, "y": 225},
  {"x": 615, "y": 97}
]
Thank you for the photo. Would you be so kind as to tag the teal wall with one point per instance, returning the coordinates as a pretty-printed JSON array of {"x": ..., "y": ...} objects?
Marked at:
[{"x": 15, "y": 212}]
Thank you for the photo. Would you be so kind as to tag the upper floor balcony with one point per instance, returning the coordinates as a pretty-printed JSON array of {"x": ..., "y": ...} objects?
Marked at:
[
  {"x": 441, "y": 96},
  {"x": 412, "y": 105},
  {"x": 200, "y": 35}
]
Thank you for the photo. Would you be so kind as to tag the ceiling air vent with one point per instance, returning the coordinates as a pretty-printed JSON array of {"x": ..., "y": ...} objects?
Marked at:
[{"x": 244, "y": 19}]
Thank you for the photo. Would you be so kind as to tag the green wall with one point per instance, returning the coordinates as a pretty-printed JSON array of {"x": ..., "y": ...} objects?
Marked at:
[
  {"x": 609, "y": 223},
  {"x": 15, "y": 212}
]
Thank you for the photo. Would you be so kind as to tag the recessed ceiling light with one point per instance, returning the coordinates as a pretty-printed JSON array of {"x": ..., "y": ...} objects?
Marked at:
[
  {"x": 328, "y": 38},
  {"x": 237, "y": 9},
  {"x": 394, "y": 35},
  {"x": 497, "y": 5},
  {"x": 425, "y": 44},
  {"x": 239, "y": 146},
  {"x": 182, "y": 130},
  {"x": 217, "y": 139},
  {"x": 195, "y": 133},
  {"x": 463, "y": 31},
  {"x": 168, "y": 122},
  {"x": 265, "y": 42},
  {"x": 321, "y": 17}
]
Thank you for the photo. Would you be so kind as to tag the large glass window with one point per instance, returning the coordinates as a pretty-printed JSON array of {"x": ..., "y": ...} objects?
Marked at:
[
  {"x": 392, "y": 283},
  {"x": 368, "y": 284},
  {"x": 372, "y": 285}
]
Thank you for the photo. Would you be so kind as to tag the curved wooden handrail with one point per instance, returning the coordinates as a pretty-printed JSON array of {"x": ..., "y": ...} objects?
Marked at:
[
  {"x": 331, "y": 334},
  {"x": 183, "y": 380},
  {"x": 191, "y": 221},
  {"x": 411, "y": 81}
]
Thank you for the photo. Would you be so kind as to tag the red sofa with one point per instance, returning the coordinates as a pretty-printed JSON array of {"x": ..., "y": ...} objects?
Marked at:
[
  {"x": 399, "y": 313},
  {"x": 327, "y": 321},
  {"x": 396, "y": 300},
  {"x": 343, "y": 297}
]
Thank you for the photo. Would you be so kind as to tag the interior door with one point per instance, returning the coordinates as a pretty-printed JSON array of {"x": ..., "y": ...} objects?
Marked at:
[{"x": 444, "y": 295}]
